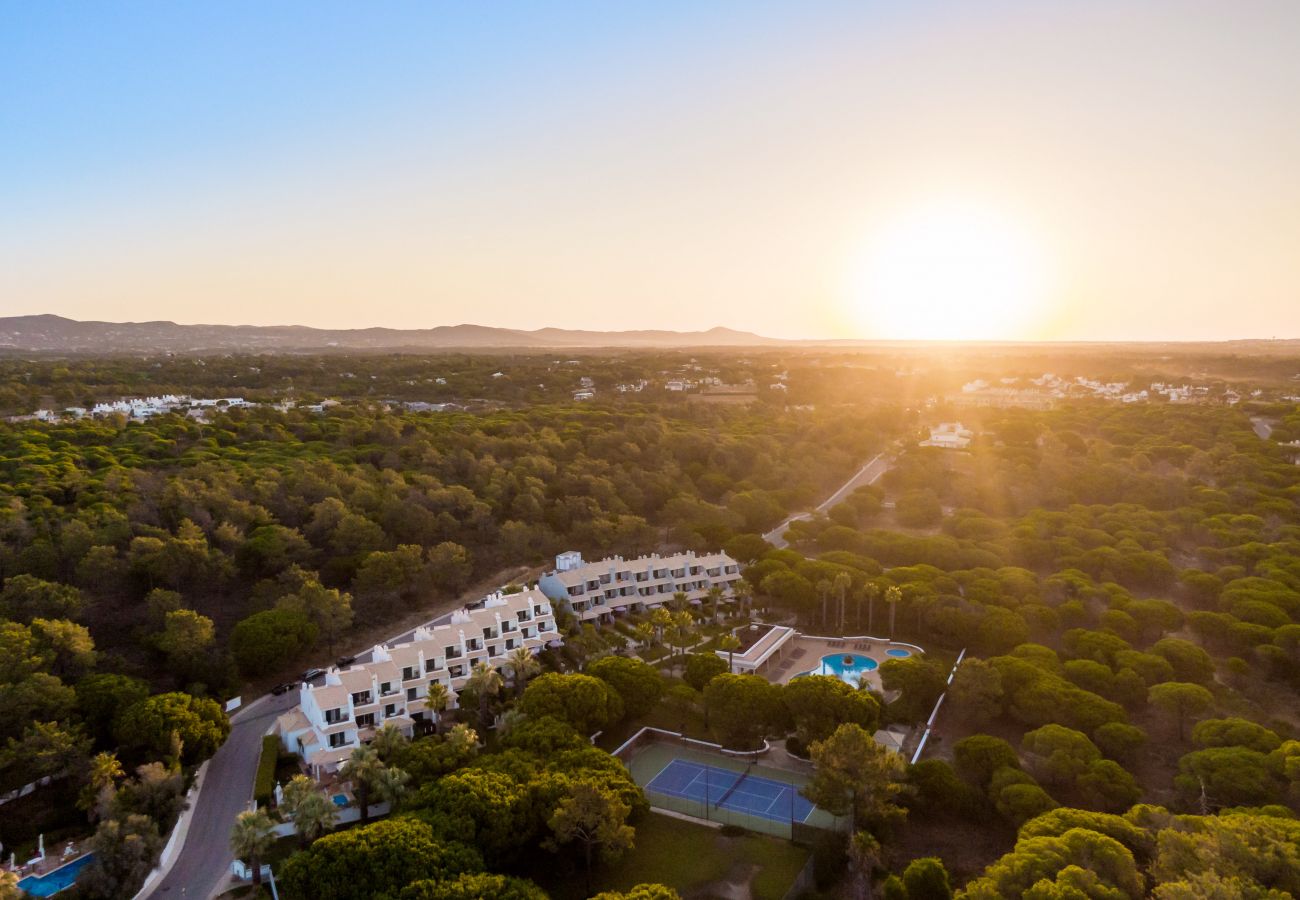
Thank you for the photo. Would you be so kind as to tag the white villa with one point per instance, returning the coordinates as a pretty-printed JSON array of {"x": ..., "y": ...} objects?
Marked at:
[
  {"x": 334, "y": 717},
  {"x": 595, "y": 591},
  {"x": 949, "y": 436}
]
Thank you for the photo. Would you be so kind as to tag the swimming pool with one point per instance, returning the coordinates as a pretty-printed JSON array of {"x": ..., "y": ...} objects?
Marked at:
[
  {"x": 847, "y": 667},
  {"x": 51, "y": 883},
  {"x": 898, "y": 652},
  {"x": 340, "y": 799}
]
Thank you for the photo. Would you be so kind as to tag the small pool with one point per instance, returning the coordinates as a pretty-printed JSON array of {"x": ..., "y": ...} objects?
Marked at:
[
  {"x": 340, "y": 799},
  {"x": 898, "y": 652},
  {"x": 848, "y": 667},
  {"x": 51, "y": 883}
]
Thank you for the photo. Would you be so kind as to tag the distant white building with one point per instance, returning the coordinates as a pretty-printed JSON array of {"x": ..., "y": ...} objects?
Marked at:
[
  {"x": 949, "y": 436},
  {"x": 334, "y": 718},
  {"x": 584, "y": 395},
  {"x": 596, "y": 591}
]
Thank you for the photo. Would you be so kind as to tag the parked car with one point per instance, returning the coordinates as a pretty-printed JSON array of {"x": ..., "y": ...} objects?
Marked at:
[
  {"x": 312, "y": 674},
  {"x": 343, "y": 661},
  {"x": 284, "y": 688}
]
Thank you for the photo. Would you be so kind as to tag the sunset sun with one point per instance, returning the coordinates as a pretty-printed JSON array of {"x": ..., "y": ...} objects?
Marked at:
[{"x": 951, "y": 271}]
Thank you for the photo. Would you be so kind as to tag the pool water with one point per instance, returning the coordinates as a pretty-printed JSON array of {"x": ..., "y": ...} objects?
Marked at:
[
  {"x": 898, "y": 652},
  {"x": 340, "y": 799},
  {"x": 51, "y": 883},
  {"x": 847, "y": 667}
]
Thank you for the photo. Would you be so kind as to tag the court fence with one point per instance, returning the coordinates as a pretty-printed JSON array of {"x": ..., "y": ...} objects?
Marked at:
[{"x": 728, "y": 787}]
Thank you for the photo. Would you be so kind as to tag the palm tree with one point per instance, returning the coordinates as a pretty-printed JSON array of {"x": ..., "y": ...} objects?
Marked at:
[
  {"x": 486, "y": 683},
  {"x": 824, "y": 591},
  {"x": 438, "y": 700},
  {"x": 661, "y": 619},
  {"x": 682, "y": 622},
  {"x": 312, "y": 812},
  {"x": 744, "y": 594},
  {"x": 103, "y": 774},
  {"x": 362, "y": 768},
  {"x": 842, "y": 583},
  {"x": 645, "y": 633},
  {"x": 253, "y": 834},
  {"x": 523, "y": 665},
  {"x": 390, "y": 785},
  {"x": 873, "y": 591},
  {"x": 892, "y": 596},
  {"x": 864, "y": 855},
  {"x": 715, "y": 597},
  {"x": 388, "y": 741},
  {"x": 730, "y": 643}
]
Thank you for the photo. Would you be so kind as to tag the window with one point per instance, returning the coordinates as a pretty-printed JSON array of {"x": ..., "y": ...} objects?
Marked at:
[
  {"x": 410, "y": 672},
  {"x": 510, "y": 643},
  {"x": 338, "y": 740},
  {"x": 334, "y": 716},
  {"x": 387, "y": 688},
  {"x": 430, "y": 665},
  {"x": 361, "y": 698},
  {"x": 366, "y": 721},
  {"x": 453, "y": 652},
  {"x": 411, "y": 694},
  {"x": 390, "y": 710}
]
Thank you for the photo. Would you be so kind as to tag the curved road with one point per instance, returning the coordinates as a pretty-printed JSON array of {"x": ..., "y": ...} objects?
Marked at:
[
  {"x": 868, "y": 474},
  {"x": 201, "y": 866}
]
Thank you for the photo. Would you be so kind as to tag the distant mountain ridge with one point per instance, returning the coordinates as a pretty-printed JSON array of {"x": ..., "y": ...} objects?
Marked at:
[{"x": 56, "y": 333}]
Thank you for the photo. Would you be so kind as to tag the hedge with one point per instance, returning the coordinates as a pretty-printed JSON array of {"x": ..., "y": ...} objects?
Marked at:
[{"x": 264, "y": 784}]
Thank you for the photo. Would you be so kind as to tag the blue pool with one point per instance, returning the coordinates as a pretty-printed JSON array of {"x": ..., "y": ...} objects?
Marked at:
[
  {"x": 51, "y": 883},
  {"x": 340, "y": 799},
  {"x": 845, "y": 666},
  {"x": 898, "y": 652}
]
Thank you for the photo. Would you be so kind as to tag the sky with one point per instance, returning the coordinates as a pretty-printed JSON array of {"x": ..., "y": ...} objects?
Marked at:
[{"x": 1013, "y": 169}]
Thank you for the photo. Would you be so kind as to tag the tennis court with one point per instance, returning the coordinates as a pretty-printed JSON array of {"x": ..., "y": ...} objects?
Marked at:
[{"x": 740, "y": 791}]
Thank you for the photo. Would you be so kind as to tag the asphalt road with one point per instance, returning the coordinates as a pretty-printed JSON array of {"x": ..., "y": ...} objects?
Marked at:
[
  {"x": 204, "y": 859},
  {"x": 866, "y": 475},
  {"x": 203, "y": 863}
]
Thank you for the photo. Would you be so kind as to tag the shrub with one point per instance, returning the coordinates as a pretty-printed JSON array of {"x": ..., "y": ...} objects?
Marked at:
[{"x": 264, "y": 783}]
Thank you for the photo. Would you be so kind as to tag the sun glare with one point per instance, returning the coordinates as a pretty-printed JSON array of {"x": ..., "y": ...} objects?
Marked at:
[{"x": 949, "y": 272}]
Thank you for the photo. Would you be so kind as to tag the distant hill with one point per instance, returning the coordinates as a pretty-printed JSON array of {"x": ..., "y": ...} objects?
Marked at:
[{"x": 55, "y": 333}]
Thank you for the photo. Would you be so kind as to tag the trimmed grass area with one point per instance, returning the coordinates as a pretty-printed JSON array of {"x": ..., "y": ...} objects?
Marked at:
[{"x": 684, "y": 856}]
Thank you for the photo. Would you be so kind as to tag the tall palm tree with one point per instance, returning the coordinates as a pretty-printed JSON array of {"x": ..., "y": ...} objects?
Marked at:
[
  {"x": 362, "y": 768},
  {"x": 744, "y": 594},
  {"x": 438, "y": 700},
  {"x": 682, "y": 622},
  {"x": 730, "y": 643},
  {"x": 842, "y": 584},
  {"x": 679, "y": 600},
  {"x": 388, "y": 741},
  {"x": 486, "y": 683},
  {"x": 892, "y": 596},
  {"x": 523, "y": 665},
  {"x": 715, "y": 598},
  {"x": 873, "y": 591},
  {"x": 251, "y": 837},
  {"x": 824, "y": 591}
]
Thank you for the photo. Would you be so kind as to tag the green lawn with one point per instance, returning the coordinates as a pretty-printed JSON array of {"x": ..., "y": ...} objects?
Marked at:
[{"x": 684, "y": 856}]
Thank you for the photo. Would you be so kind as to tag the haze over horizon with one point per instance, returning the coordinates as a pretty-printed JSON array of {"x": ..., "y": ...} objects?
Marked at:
[{"x": 1006, "y": 170}]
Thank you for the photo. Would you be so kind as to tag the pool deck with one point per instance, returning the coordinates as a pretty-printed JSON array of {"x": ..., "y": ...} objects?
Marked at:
[{"x": 806, "y": 651}]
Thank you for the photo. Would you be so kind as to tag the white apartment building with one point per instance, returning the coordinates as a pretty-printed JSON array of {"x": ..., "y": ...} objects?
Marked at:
[
  {"x": 333, "y": 718},
  {"x": 595, "y": 591}
]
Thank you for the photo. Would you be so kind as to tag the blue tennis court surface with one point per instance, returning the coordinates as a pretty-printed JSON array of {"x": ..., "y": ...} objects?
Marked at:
[{"x": 755, "y": 795}]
